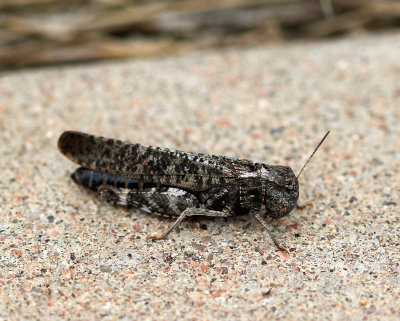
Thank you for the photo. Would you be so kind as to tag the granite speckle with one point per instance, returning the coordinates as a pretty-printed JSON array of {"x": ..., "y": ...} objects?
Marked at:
[{"x": 65, "y": 254}]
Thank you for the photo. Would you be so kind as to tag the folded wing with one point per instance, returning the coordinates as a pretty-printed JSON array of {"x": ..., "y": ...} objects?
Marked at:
[{"x": 194, "y": 171}]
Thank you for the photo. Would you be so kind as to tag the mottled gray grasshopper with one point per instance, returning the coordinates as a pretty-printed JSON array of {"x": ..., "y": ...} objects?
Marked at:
[{"x": 180, "y": 184}]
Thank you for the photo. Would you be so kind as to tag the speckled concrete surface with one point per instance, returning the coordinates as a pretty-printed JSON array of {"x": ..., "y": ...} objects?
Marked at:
[{"x": 64, "y": 254}]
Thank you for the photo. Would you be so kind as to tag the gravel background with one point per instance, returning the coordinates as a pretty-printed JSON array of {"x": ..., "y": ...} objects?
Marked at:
[{"x": 65, "y": 254}]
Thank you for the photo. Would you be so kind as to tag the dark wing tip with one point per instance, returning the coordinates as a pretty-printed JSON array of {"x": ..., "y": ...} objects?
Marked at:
[
  {"x": 64, "y": 142},
  {"x": 69, "y": 140}
]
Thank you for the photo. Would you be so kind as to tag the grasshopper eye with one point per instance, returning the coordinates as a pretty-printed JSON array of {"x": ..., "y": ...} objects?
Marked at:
[{"x": 283, "y": 176}]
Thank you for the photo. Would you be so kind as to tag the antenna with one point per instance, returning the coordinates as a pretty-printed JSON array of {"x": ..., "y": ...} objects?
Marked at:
[{"x": 316, "y": 148}]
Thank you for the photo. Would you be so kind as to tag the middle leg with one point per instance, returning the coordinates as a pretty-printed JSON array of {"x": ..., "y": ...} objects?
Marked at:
[{"x": 190, "y": 211}]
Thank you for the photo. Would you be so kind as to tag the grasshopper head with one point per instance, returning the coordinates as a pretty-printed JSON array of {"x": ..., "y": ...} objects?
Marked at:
[{"x": 282, "y": 191}]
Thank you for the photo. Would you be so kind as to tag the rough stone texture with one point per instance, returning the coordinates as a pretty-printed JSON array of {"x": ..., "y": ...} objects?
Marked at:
[{"x": 64, "y": 254}]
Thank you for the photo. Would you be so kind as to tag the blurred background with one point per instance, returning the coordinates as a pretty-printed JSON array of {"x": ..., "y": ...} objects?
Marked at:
[{"x": 52, "y": 32}]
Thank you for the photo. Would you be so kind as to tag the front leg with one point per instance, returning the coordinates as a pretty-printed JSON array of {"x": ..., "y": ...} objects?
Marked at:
[
  {"x": 265, "y": 226},
  {"x": 304, "y": 206}
]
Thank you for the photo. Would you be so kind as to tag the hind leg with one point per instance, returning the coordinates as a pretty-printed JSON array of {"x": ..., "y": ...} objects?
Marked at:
[{"x": 171, "y": 202}]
